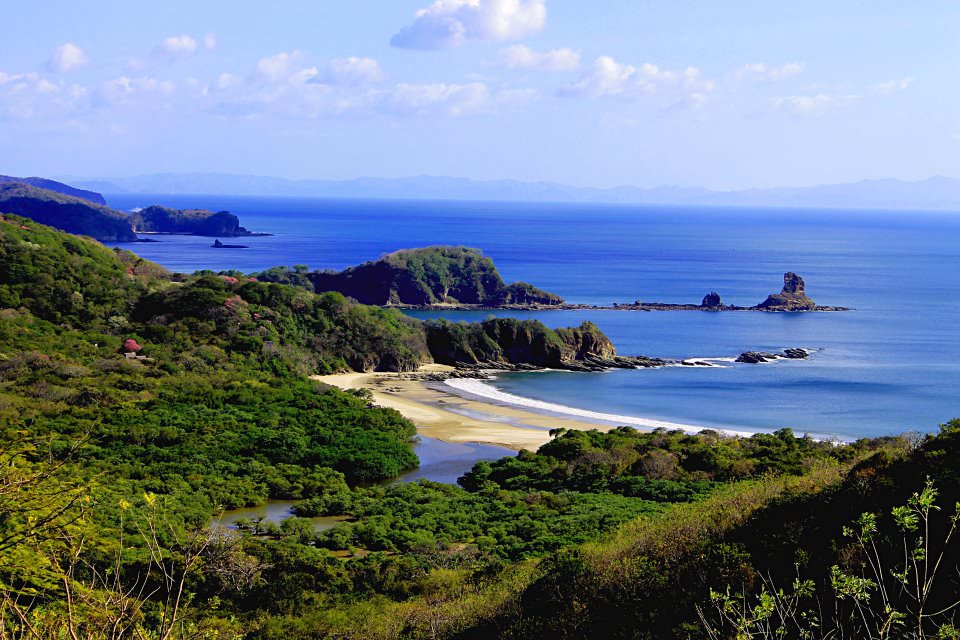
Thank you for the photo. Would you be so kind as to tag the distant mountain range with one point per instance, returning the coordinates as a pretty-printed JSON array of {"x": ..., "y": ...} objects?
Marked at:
[{"x": 938, "y": 193}]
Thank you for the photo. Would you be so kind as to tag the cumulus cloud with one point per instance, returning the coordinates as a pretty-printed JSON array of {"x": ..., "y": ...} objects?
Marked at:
[
  {"x": 29, "y": 95},
  {"x": 608, "y": 77},
  {"x": 521, "y": 56},
  {"x": 770, "y": 73},
  {"x": 209, "y": 42},
  {"x": 448, "y": 99},
  {"x": 125, "y": 88},
  {"x": 68, "y": 57},
  {"x": 178, "y": 46},
  {"x": 451, "y": 23},
  {"x": 351, "y": 72},
  {"x": 812, "y": 104},
  {"x": 285, "y": 67},
  {"x": 891, "y": 86}
]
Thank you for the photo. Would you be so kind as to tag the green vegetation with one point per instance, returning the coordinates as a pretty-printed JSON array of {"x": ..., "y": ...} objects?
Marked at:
[
  {"x": 134, "y": 404},
  {"x": 198, "y": 222},
  {"x": 431, "y": 275},
  {"x": 66, "y": 212}
]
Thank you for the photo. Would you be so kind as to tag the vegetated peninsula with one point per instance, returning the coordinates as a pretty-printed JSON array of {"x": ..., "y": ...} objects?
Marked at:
[
  {"x": 444, "y": 276},
  {"x": 57, "y": 205},
  {"x": 196, "y": 222}
]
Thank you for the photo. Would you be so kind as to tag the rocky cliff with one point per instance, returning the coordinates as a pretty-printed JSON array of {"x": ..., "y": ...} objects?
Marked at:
[
  {"x": 67, "y": 213},
  {"x": 197, "y": 222},
  {"x": 792, "y": 297},
  {"x": 507, "y": 343},
  {"x": 430, "y": 276}
]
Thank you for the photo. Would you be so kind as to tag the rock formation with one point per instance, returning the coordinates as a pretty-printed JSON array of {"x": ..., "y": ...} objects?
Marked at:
[
  {"x": 711, "y": 301},
  {"x": 791, "y": 298},
  {"x": 758, "y": 357}
]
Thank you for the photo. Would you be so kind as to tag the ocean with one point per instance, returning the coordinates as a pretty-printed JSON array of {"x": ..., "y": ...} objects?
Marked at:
[{"x": 889, "y": 366}]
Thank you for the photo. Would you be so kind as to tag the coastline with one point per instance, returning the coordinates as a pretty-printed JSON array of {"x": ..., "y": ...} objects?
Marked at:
[{"x": 459, "y": 410}]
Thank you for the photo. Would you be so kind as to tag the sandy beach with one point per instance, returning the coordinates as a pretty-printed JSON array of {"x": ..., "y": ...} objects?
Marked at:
[{"x": 453, "y": 418}]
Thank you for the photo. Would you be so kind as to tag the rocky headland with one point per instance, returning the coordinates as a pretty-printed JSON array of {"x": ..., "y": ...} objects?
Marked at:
[
  {"x": 430, "y": 277},
  {"x": 85, "y": 213},
  {"x": 195, "y": 222}
]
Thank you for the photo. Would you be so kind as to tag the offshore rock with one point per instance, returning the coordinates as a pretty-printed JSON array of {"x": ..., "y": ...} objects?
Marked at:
[
  {"x": 711, "y": 301},
  {"x": 792, "y": 297}
]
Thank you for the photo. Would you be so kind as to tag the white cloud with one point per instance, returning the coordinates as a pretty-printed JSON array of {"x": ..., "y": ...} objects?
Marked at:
[
  {"x": 521, "y": 56},
  {"x": 611, "y": 78},
  {"x": 351, "y": 72},
  {"x": 812, "y": 104},
  {"x": 228, "y": 81},
  {"x": 771, "y": 73},
  {"x": 451, "y": 23},
  {"x": 280, "y": 67},
  {"x": 209, "y": 42},
  {"x": 124, "y": 88},
  {"x": 448, "y": 99},
  {"x": 178, "y": 46},
  {"x": 68, "y": 57},
  {"x": 892, "y": 86}
]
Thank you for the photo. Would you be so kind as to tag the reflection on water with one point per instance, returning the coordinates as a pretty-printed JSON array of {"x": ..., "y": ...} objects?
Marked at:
[{"x": 439, "y": 461}]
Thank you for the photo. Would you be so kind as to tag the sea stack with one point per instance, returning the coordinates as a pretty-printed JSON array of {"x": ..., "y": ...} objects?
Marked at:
[
  {"x": 791, "y": 298},
  {"x": 711, "y": 301}
]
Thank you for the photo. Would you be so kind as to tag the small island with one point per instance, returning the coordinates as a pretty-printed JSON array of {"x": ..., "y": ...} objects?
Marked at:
[{"x": 219, "y": 245}]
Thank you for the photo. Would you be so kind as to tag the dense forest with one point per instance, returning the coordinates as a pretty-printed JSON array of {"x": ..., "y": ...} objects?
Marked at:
[{"x": 136, "y": 404}]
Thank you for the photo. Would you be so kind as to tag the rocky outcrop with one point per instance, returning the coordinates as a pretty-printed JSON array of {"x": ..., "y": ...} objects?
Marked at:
[
  {"x": 196, "y": 222},
  {"x": 67, "y": 213},
  {"x": 792, "y": 297},
  {"x": 759, "y": 357},
  {"x": 711, "y": 301},
  {"x": 58, "y": 187},
  {"x": 439, "y": 275},
  {"x": 517, "y": 345}
]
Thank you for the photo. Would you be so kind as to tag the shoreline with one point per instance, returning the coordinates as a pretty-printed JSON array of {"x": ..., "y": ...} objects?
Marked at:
[{"x": 451, "y": 413}]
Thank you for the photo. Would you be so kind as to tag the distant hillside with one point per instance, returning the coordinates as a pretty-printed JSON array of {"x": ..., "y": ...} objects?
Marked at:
[
  {"x": 58, "y": 187},
  {"x": 938, "y": 193},
  {"x": 427, "y": 276},
  {"x": 74, "y": 215},
  {"x": 198, "y": 222}
]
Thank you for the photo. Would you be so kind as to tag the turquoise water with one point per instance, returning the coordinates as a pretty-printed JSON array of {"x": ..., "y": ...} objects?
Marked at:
[{"x": 892, "y": 365}]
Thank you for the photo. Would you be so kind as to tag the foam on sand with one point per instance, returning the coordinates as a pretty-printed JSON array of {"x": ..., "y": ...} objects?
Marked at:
[{"x": 485, "y": 390}]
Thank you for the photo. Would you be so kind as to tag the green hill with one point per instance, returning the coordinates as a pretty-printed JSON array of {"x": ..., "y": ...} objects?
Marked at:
[
  {"x": 197, "y": 222},
  {"x": 71, "y": 214},
  {"x": 427, "y": 276}
]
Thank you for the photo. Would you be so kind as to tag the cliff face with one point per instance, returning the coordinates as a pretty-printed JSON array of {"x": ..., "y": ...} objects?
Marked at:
[
  {"x": 432, "y": 275},
  {"x": 506, "y": 341},
  {"x": 792, "y": 297},
  {"x": 198, "y": 222},
  {"x": 67, "y": 213},
  {"x": 58, "y": 187}
]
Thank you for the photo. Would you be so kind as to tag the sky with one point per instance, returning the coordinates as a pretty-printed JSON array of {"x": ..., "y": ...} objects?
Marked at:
[{"x": 720, "y": 94}]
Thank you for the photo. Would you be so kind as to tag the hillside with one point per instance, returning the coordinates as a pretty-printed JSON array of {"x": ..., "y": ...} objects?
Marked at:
[
  {"x": 68, "y": 213},
  {"x": 58, "y": 187},
  {"x": 418, "y": 277}
]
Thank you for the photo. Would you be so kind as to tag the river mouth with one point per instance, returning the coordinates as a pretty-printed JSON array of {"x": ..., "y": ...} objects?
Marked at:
[{"x": 440, "y": 461}]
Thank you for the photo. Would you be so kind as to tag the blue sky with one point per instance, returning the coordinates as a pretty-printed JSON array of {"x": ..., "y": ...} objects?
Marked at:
[{"x": 613, "y": 92}]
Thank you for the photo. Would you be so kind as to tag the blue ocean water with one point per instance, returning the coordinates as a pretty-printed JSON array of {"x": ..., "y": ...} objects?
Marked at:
[{"x": 892, "y": 365}]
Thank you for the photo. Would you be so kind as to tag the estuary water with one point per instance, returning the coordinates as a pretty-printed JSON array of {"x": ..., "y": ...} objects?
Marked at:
[{"x": 891, "y": 365}]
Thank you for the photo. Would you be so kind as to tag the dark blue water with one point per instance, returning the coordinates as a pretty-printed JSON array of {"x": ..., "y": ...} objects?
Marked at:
[{"x": 890, "y": 366}]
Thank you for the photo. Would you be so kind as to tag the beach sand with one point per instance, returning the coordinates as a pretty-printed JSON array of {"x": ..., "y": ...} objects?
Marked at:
[{"x": 452, "y": 418}]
